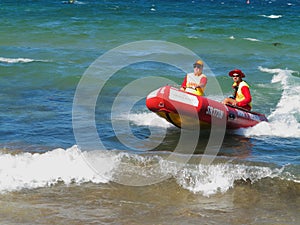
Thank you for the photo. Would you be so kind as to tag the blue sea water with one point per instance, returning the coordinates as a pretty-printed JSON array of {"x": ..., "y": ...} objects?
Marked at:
[{"x": 48, "y": 47}]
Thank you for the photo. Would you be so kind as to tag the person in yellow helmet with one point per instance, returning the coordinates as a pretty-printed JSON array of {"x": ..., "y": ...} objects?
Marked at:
[
  {"x": 195, "y": 82},
  {"x": 242, "y": 96}
]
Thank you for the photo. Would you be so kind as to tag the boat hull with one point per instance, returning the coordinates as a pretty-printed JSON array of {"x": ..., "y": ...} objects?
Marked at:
[{"x": 186, "y": 110}]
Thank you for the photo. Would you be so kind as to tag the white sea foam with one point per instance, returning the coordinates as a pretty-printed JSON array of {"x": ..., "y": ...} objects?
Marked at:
[
  {"x": 153, "y": 8},
  {"x": 72, "y": 166},
  {"x": 29, "y": 170},
  {"x": 20, "y": 60},
  {"x": 272, "y": 16},
  {"x": 74, "y": 2},
  {"x": 148, "y": 119},
  {"x": 211, "y": 179},
  {"x": 193, "y": 37},
  {"x": 157, "y": 128},
  {"x": 252, "y": 39},
  {"x": 283, "y": 120}
]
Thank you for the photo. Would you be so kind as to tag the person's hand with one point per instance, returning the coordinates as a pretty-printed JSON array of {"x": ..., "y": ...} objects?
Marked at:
[{"x": 234, "y": 102}]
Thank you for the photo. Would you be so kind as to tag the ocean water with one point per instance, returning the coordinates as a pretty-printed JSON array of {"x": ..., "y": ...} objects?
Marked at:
[{"x": 79, "y": 146}]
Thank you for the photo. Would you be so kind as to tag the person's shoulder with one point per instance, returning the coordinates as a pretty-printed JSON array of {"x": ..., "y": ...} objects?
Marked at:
[{"x": 245, "y": 83}]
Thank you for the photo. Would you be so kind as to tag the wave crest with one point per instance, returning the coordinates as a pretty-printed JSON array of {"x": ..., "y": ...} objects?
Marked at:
[
  {"x": 20, "y": 60},
  {"x": 27, "y": 170},
  {"x": 284, "y": 117}
]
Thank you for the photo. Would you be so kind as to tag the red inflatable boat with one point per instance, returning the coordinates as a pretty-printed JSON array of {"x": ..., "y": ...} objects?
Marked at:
[{"x": 181, "y": 109}]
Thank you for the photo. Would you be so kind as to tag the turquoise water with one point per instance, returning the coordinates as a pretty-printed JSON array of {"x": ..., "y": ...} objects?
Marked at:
[{"x": 47, "y": 47}]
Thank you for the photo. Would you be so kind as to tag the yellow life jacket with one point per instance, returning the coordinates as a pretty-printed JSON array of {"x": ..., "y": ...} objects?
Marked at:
[
  {"x": 239, "y": 95},
  {"x": 193, "y": 80}
]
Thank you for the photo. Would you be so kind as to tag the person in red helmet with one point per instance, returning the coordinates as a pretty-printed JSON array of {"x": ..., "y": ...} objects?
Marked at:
[
  {"x": 195, "y": 82},
  {"x": 241, "y": 96}
]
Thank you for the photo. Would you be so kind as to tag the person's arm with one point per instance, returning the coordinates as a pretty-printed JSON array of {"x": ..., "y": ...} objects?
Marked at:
[
  {"x": 203, "y": 82},
  {"x": 201, "y": 86},
  {"x": 183, "y": 85},
  {"x": 246, "y": 92}
]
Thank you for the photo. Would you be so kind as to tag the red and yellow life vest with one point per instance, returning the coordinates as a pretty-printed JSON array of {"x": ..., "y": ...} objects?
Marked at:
[
  {"x": 191, "y": 81},
  {"x": 239, "y": 95}
]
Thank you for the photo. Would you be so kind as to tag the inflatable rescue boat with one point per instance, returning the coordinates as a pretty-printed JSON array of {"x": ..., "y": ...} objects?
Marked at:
[{"x": 182, "y": 109}]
